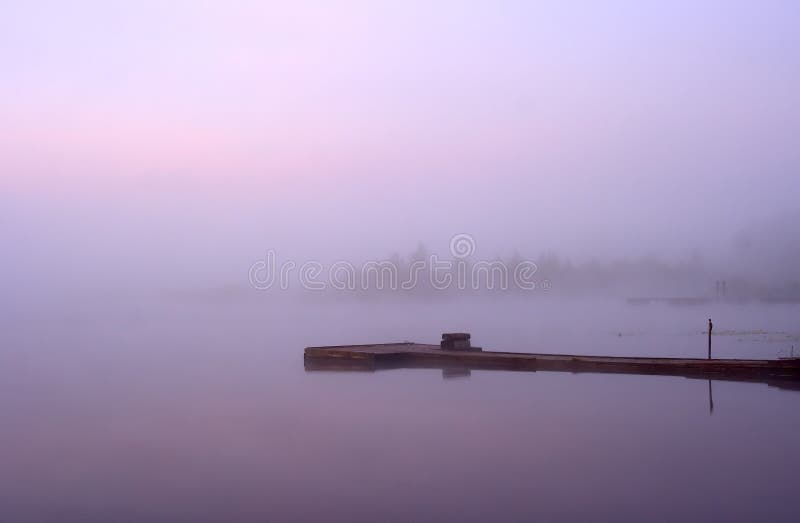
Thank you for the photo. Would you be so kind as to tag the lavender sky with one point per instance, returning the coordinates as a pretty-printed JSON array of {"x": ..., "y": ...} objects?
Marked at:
[{"x": 181, "y": 139}]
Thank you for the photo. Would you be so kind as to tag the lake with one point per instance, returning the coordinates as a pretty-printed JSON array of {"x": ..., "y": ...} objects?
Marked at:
[{"x": 197, "y": 408}]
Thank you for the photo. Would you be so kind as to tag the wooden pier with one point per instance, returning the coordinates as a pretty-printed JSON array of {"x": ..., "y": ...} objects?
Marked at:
[{"x": 781, "y": 372}]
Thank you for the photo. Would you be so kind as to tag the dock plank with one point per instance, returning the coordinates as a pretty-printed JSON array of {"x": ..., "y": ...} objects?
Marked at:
[{"x": 415, "y": 355}]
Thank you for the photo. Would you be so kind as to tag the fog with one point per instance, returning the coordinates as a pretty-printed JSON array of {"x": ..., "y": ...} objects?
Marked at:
[
  {"x": 178, "y": 178},
  {"x": 169, "y": 146}
]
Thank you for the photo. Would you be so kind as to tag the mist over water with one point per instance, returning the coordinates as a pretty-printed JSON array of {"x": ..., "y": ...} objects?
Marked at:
[{"x": 154, "y": 155}]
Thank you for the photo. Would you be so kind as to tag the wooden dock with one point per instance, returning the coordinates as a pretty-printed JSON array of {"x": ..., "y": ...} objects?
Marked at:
[{"x": 782, "y": 372}]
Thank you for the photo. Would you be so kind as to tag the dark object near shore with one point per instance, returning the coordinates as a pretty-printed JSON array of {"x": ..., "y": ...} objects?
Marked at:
[{"x": 457, "y": 341}]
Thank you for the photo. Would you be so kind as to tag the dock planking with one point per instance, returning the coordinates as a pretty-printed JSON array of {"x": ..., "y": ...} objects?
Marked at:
[{"x": 782, "y": 372}]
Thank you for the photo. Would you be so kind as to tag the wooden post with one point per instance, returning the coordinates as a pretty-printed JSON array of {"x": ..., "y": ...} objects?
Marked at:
[{"x": 710, "y": 326}]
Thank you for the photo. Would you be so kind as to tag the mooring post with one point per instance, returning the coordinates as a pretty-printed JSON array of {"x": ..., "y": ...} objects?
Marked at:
[{"x": 710, "y": 326}]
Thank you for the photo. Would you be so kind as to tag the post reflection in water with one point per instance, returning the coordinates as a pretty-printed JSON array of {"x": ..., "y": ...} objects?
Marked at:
[{"x": 710, "y": 399}]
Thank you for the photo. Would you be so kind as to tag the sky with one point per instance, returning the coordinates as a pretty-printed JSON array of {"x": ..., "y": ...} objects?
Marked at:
[{"x": 167, "y": 137}]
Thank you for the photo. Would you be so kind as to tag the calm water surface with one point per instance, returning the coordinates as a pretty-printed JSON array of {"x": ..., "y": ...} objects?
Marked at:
[{"x": 200, "y": 410}]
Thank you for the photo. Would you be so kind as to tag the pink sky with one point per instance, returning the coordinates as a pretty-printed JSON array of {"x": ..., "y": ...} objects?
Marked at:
[{"x": 566, "y": 112}]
